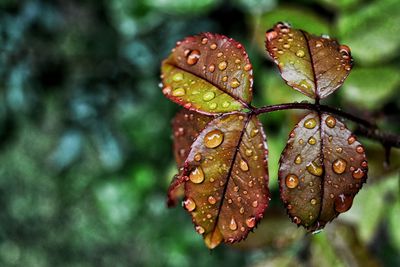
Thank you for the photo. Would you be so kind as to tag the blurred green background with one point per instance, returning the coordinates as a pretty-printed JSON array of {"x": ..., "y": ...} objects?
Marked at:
[{"x": 85, "y": 136}]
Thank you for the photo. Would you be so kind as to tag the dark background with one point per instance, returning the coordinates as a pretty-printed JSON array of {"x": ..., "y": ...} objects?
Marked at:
[{"x": 85, "y": 136}]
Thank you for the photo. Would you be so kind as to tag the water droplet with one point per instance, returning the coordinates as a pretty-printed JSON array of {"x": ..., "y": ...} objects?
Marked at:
[
  {"x": 310, "y": 123},
  {"x": 212, "y": 200},
  {"x": 314, "y": 168},
  {"x": 312, "y": 141},
  {"x": 213, "y": 46},
  {"x": 271, "y": 34},
  {"x": 197, "y": 175},
  {"x": 236, "y": 188},
  {"x": 254, "y": 204},
  {"x": 226, "y": 104},
  {"x": 166, "y": 90},
  {"x": 241, "y": 210},
  {"x": 351, "y": 140},
  {"x": 244, "y": 166},
  {"x": 232, "y": 224},
  {"x": 304, "y": 84},
  {"x": 248, "y": 152},
  {"x": 247, "y": 67},
  {"x": 291, "y": 181},
  {"x": 300, "y": 53},
  {"x": 204, "y": 41},
  {"x": 235, "y": 83},
  {"x": 339, "y": 166},
  {"x": 222, "y": 65},
  {"x": 213, "y": 105},
  {"x": 189, "y": 204},
  {"x": 358, "y": 174},
  {"x": 296, "y": 220},
  {"x": 179, "y": 92},
  {"x": 213, "y": 138},
  {"x": 344, "y": 50},
  {"x": 219, "y": 54},
  {"x": 251, "y": 222},
  {"x": 360, "y": 149},
  {"x": 330, "y": 121},
  {"x": 200, "y": 230},
  {"x": 301, "y": 141},
  {"x": 318, "y": 44},
  {"x": 177, "y": 77},
  {"x": 339, "y": 149},
  {"x": 237, "y": 61},
  {"x": 298, "y": 160},
  {"x": 254, "y": 132},
  {"x": 211, "y": 68},
  {"x": 208, "y": 96},
  {"x": 197, "y": 157},
  {"x": 193, "y": 57},
  {"x": 343, "y": 203},
  {"x": 364, "y": 164},
  {"x": 286, "y": 46}
]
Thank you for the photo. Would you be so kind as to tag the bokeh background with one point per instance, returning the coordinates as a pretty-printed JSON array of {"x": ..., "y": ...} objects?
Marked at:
[{"x": 85, "y": 136}]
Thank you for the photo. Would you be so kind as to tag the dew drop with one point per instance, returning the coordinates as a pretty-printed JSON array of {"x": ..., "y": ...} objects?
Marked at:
[
  {"x": 291, "y": 181},
  {"x": 271, "y": 34},
  {"x": 197, "y": 157},
  {"x": 166, "y": 90},
  {"x": 236, "y": 188},
  {"x": 310, "y": 123},
  {"x": 232, "y": 224},
  {"x": 314, "y": 168},
  {"x": 247, "y": 67},
  {"x": 213, "y": 46},
  {"x": 254, "y": 204},
  {"x": 193, "y": 57},
  {"x": 300, "y": 53},
  {"x": 222, "y": 65},
  {"x": 343, "y": 203},
  {"x": 339, "y": 149},
  {"x": 318, "y": 44},
  {"x": 296, "y": 220},
  {"x": 286, "y": 46},
  {"x": 330, "y": 121},
  {"x": 254, "y": 132},
  {"x": 360, "y": 149},
  {"x": 364, "y": 164},
  {"x": 248, "y": 152},
  {"x": 235, "y": 83},
  {"x": 313, "y": 201},
  {"x": 179, "y": 92},
  {"x": 204, "y": 41},
  {"x": 177, "y": 77},
  {"x": 351, "y": 140},
  {"x": 251, "y": 222},
  {"x": 200, "y": 230},
  {"x": 212, "y": 200},
  {"x": 213, "y": 105},
  {"x": 219, "y": 54},
  {"x": 298, "y": 160},
  {"x": 339, "y": 166},
  {"x": 197, "y": 175},
  {"x": 358, "y": 174},
  {"x": 208, "y": 96},
  {"x": 304, "y": 84},
  {"x": 241, "y": 210},
  {"x": 211, "y": 68},
  {"x": 244, "y": 166},
  {"x": 213, "y": 138},
  {"x": 226, "y": 104},
  {"x": 312, "y": 141},
  {"x": 189, "y": 204}
]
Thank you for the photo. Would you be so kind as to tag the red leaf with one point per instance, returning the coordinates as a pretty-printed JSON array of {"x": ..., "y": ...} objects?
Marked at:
[
  {"x": 209, "y": 73},
  {"x": 321, "y": 170},
  {"x": 226, "y": 178},
  {"x": 315, "y": 66}
]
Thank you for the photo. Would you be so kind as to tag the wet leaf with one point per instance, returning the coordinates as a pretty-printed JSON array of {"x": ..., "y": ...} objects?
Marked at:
[
  {"x": 226, "y": 187},
  {"x": 209, "y": 73},
  {"x": 186, "y": 127},
  {"x": 321, "y": 170},
  {"x": 315, "y": 66}
]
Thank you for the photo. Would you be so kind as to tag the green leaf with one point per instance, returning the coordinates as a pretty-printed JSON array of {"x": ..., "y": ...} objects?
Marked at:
[
  {"x": 371, "y": 87},
  {"x": 314, "y": 66},
  {"x": 372, "y": 31},
  {"x": 208, "y": 73},
  {"x": 226, "y": 178},
  {"x": 321, "y": 170}
]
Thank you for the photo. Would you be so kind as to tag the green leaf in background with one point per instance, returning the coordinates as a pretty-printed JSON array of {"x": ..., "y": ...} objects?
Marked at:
[
  {"x": 339, "y": 4},
  {"x": 372, "y": 32},
  {"x": 371, "y": 87},
  {"x": 300, "y": 17},
  {"x": 184, "y": 7}
]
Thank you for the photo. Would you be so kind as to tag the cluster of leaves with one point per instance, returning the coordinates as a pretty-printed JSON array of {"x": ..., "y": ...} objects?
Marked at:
[{"x": 220, "y": 145}]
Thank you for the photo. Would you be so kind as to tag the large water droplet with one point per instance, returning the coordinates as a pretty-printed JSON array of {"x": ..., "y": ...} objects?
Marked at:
[
  {"x": 193, "y": 57},
  {"x": 291, "y": 181},
  {"x": 339, "y": 166},
  {"x": 222, "y": 65},
  {"x": 244, "y": 166},
  {"x": 310, "y": 123},
  {"x": 212, "y": 200},
  {"x": 189, "y": 204},
  {"x": 298, "y": 160},
  {"x": 235, "y": 83},
  {"x": 358, "y": 174},
  {"x": 312, "y": 141},
  {"x": 197, "y": 175},
  {"x": 197, "y": 157},
  {"x": 330, "y": 121},
  {"x": 314, "y": 168},
  {"x": 343, "y": 203},
  {"x": 213, "y": 138},
  {"x": 211, "y": 68},
  {"x": 177, "y": 77},
  {"x": 300, "y": 53},
  {"x": 251, "y": 222},
  {"x": 208, "y": 96},
  {"x": 213, "y": 46},
  {"x": 313, "y": 201},
  {"x": 179, "y": 92},
  {"x": 232, "y": 224}
]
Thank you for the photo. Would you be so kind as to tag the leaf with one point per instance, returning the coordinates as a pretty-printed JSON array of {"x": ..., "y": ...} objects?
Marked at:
[
  {"x": 226, "y": 178},
  {"x": 321, "y": 170},
  {"x": 372, "y": 31},
  {"x": 315, "y": 66},
  {"x": 186, "y": 127},
  {"x": 208, "y": 73}
]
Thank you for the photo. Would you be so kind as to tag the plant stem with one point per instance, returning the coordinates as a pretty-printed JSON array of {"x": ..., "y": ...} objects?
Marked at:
[{"x": 365, "y": 128}]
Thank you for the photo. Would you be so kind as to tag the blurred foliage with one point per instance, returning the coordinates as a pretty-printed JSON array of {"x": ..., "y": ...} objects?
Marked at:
[{"x": 85, "y": 147}]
